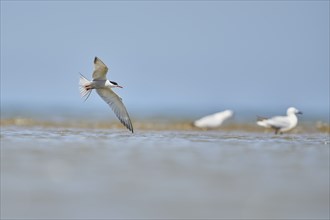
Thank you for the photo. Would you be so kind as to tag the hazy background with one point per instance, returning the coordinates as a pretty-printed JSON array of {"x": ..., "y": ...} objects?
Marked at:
[{"x": 170, "y": 56}]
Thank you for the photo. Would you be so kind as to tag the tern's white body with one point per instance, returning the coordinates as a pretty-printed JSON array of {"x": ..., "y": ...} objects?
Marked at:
[
  {"x": 214, "y": 120},
  {"x": 103, "y": 87},
  {"x": 281, "y": 123}
]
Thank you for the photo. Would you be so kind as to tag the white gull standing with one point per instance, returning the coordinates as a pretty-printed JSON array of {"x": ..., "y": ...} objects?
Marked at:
[
  {"x": 214, "y": 120},
  {"x": 281, "y": 123},
  {"x": 104, "y": 87}
]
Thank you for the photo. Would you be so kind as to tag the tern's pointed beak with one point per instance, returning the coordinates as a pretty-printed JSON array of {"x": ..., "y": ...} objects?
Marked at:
[
  {"x": 119, "y": 86},
  {"x": 300, "y": 113}
]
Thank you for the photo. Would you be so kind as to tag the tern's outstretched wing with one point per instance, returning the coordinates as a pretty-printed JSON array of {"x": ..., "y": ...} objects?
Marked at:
[
  {"x": 117, "y": 106},
  {"x": 100, "y": 70}
]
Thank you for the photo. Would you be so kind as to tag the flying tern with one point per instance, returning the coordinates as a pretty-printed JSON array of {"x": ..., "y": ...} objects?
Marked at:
[{"x": 103, "y": 87}]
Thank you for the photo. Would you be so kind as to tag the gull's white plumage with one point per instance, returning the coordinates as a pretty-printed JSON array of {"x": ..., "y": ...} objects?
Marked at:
[
  {"x": 214, "y": 120},
  {"x": 103, "y": 88},
  {"x": 281, "y": 123}
]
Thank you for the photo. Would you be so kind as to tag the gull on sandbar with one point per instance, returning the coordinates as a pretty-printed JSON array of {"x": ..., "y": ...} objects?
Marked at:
[
  {"x": 281, "y": 123},
  {"x": 213, "y": 121}
]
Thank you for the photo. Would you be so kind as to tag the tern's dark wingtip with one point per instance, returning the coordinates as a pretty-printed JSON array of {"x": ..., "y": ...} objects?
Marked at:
[
  {"x": 95, "y": 59},
  {"x": 129, "y": 126}
]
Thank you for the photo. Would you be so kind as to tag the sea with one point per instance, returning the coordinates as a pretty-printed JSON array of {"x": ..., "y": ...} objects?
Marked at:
[{"x": 68, "y": 165}]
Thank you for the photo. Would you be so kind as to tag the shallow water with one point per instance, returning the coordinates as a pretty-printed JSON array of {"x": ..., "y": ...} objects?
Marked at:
[{"x": 79, "y": 172}]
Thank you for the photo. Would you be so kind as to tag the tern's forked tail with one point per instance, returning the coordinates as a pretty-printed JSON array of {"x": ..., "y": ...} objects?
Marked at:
[{"x": 83, "y": 87}]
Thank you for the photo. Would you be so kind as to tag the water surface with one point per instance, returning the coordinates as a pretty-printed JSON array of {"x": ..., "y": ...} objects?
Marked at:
[{"x": 75, "y": 170}]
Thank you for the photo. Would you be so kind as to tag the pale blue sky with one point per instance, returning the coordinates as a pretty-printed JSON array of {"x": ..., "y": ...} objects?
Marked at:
[{"x": 185, "y": 54}]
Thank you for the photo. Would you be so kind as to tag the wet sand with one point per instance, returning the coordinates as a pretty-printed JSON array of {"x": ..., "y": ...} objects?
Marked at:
[{"x": 78, "y": 172}]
